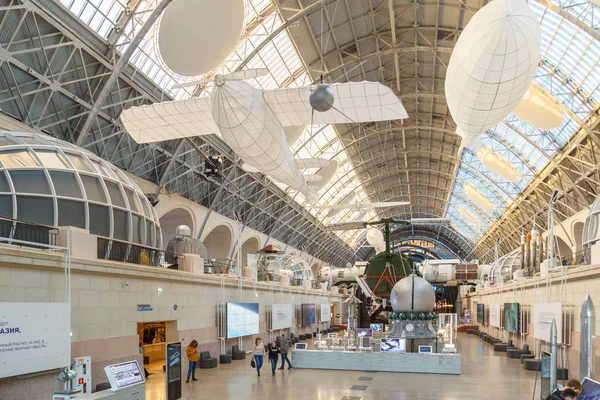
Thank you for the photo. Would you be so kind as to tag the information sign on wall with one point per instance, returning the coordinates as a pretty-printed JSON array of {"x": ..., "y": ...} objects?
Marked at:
[
  {"x": 34, "y": 337},
  {"x": 495, "y": 315},
  {"x": 325, "y": 312},
  {"x": 281, "y": 316},
  {"x": 543, "y": 313},
  {"x": 173, "y": 371}
]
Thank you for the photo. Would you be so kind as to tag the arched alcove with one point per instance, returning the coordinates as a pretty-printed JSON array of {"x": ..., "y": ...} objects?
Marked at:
[
  {"x": 578, "y": 235},
  {"x": 171, "y": 220},
  {"x": 218, "y": 243},
  {"x": 563, "y": 250},
  {"x": 315, "y": 268},
  {"x": 250, "y": 246}
]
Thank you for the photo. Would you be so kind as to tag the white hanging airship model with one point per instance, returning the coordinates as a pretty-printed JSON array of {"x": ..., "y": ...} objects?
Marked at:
[
  {"x": 492, "y": 66},
  {"x": 257, "y": 124}
]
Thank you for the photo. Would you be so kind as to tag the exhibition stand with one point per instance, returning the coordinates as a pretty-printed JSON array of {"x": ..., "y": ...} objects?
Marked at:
[{"x": 429, "y": 363}]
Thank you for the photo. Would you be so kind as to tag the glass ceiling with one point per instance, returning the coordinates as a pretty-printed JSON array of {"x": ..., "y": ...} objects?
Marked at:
[{"x": 568, "y": 71}]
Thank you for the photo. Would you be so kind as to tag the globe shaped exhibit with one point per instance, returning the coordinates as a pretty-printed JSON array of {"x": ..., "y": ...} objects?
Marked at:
[
  {"x": 196, "y": 36},
  {"x": 412, "y": 294},
  {"x": 49, "y": 182},
  {"x": 321, "y": 98},
  {"x": 492, "y": 65}
]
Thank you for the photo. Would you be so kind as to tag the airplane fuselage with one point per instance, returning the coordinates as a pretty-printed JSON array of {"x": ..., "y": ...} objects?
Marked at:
[{"x": 250, "y": 128}]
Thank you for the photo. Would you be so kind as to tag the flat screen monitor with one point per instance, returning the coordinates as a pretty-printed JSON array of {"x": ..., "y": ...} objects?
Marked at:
[
  {"x": 393, "y": 345},
  {"x": 511, "y": 317},
  {"x": 309, "y": 316},
  {"x": 425, "y": 349},
  {"x": 242, "y": 319},
  {"x": 300, "y": 346},
  {"x": 545, "y": 374},
  {"x": 590, "y": 390},
  {"x": 377, "y": 327},
  {"x": 361, "y": 332},
  {"x": 481, "y": 314},
  {"x": 124, "y": 375}
]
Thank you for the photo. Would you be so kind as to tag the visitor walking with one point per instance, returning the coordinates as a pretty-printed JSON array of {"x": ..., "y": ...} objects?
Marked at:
[
  {"x": 273, "y": 356},
  {"x": 284, "y": 347},
  {"x": 192, "y": 355},
  {"x": 259, "y": 353}
]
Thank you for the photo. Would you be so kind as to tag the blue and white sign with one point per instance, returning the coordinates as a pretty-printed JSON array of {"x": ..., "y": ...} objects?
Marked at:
[
  {"x": 34, "y": 337},
  {"x": 144, "y": 307}
]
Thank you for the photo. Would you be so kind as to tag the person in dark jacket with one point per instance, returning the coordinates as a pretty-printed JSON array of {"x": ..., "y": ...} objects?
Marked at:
[
  {"x": 284, "y": 347},
  {"x": 273, "y": 356}
]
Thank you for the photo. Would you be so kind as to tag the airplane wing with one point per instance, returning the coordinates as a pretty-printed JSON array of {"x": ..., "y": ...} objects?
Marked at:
[
  {"x": 170, "y": 120},
  {"x": 356, "y": 102},
  {"x": 365, "y": 206},
  {"x": 346, "y": 226}
]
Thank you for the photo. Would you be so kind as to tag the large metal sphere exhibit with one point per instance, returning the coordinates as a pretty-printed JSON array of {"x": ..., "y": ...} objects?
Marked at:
[
  {"x": 196, "y": 36},
  {"x": 321, "y": 98},
  {"x": 492, "y": 65},
  {"x": 412, "y": 294},
  {"x": 50, "y": 182}
]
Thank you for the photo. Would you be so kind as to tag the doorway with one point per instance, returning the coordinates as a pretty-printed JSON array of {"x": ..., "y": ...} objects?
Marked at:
[{"x": 153, "y": 338}]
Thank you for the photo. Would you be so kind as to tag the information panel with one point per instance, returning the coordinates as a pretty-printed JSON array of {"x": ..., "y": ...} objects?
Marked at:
[
  {"x": 325, "y": 312},
  {"x": 281, "y": 316},
  {"x": 173, "y": 371},
  {"x": 495, "y": 315},
  {"x": 543, "y": 313},
  {"x": 124, "y": 375},
  {"x": 34, "y": 337}
]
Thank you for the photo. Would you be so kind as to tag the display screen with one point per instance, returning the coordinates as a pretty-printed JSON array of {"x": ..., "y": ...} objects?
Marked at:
[
  {"x": 364, "y": 332},
  {"x": 126, "y": 374},
  {"x": 300, "y": 346},
  {"x": 173, "y": 371},
  {"x": 377, "y": 327},
  {"x": 242, "y": 319},
  {"x": 424, "y": 349},
  {"x": 590, "y": 390},
  {"x": 481, "y": 314},
  {"x": 393, "y": 345},
  {"x": 511, "y": 317},
  {"x": 309, "y": 316}
]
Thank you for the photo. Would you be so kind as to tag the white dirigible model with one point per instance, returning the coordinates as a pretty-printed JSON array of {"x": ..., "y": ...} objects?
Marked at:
[
  {"x": 538, "y": 109},
  {"x": 255, "y": 123},
  {"x": 497, "y": 164},
  {"x": 492, "y": 66},
  {"x": 478, "y": 198}
]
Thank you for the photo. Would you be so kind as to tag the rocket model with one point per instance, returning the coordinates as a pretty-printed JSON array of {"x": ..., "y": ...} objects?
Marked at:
[
  {"x": 587, "y": 339},
  {"x": 553, "y": 356},
  {"x": 522, "y": 251},
  {"x": 534, "y": 251},
  {"x": 528, "y": 250}
]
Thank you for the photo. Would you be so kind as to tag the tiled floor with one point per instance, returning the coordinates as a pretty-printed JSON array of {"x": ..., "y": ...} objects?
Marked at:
[{"x": 485, "y": 375}]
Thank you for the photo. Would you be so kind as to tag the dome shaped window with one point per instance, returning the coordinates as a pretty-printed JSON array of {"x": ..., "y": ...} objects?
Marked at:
[{"x": 50, "y": 182}]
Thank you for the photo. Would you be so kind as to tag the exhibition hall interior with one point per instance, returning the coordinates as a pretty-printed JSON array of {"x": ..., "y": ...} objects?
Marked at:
[{"x": 299, "y": 199}]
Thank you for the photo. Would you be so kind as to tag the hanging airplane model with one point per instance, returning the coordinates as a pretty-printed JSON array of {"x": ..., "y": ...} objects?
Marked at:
[
  {"x": 260, "y": 125},
  {"x": 358, "y": 206}
]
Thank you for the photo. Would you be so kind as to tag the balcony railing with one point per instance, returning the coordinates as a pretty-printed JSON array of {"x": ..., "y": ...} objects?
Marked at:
[
  {"x": 115, "y": 250},
  {"x": 27, "y": 232}
]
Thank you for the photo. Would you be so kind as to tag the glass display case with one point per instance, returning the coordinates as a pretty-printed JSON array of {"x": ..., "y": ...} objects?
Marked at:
[{"x": 447, "y": 332}]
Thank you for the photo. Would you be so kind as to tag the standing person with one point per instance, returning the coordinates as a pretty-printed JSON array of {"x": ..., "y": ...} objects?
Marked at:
[
  {"x": 284, "y": 347},
  {"x": 259, "y": 353},
  {"x": 273, "y": 357},
  {"x": 192, "y": 355}
]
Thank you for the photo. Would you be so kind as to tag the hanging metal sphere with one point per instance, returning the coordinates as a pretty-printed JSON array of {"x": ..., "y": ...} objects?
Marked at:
[
  {"x": 402, "y": 295},
  {"x": 321, "y": 98}
]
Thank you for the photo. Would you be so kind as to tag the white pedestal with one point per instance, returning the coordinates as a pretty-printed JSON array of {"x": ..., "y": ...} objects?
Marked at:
[
  {"x": 192, "y": 263},
  {"x": 81, "y": 243},
  {"x": 285, "y": 280},
  {"x": 307, "y": 284},
  {"x": 335, "y": 289},
  {"x": 250, "y": 273},
  {"x": 595, "y": 253}
]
